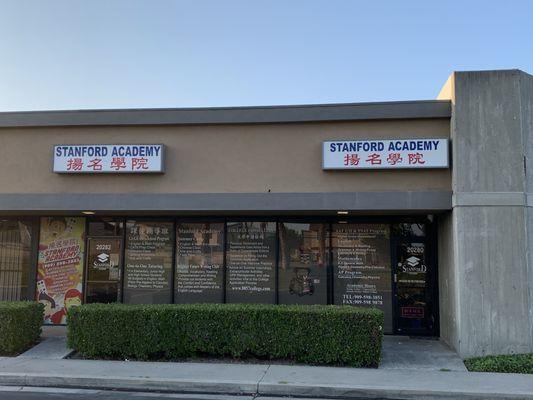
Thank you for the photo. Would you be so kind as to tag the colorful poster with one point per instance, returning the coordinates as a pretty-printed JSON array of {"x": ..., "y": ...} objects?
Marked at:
[{"x": 60, "y": 268}]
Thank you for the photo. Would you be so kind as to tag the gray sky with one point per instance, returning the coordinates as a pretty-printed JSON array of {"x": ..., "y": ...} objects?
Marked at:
[{"x": 76, "y": 54}]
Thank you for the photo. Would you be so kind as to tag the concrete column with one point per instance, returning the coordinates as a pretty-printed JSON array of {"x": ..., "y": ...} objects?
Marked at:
[{"x": 485, "y": 268}]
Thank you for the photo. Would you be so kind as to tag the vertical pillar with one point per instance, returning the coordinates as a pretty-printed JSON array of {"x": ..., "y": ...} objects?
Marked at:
[{"x": 486, "y": 269}]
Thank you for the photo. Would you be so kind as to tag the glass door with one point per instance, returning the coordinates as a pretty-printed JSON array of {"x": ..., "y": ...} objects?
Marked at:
[
  {"x": 103, "y": 269},
  {"x": 414, "y": 298}
]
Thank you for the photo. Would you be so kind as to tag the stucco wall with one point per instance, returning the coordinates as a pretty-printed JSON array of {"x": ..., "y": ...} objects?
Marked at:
[{"x": 218, "y": 158}]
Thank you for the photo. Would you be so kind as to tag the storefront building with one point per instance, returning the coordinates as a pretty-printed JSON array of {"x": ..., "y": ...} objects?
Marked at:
[{"x": 420, "y": 208}]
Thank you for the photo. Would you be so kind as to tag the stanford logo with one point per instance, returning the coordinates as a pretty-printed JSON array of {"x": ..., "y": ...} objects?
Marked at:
[{"x": 103, "y": 257}]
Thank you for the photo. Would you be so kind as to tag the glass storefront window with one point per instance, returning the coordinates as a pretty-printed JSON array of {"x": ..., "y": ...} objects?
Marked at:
[
  {"x": 295, "y": 261},
  {"x": 362, "y": 267},
  {"x": 251, "y": 262},
  {"x": 148, "y": 262},
  {"x": 407, "y": 229},
  {"x": 15, "y": 245},
  {"x": 105, "y": 227},
  {"x": 199, "y": 263},
  {"x": 302, "y": 263}
]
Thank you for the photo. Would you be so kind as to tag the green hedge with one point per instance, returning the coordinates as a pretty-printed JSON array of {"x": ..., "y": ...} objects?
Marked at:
[
  {"x": 308, "y": 334},
  {"x": 515, "y": 363},
  {"x": 20, "y": 325}
]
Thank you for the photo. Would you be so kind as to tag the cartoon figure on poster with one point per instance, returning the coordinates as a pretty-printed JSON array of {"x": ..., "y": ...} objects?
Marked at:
[
  {"x": 60, "y": 268},
  {"x": 49, "y": 306}
]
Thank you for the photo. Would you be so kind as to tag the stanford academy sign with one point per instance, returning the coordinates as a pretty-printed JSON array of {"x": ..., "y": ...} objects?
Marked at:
[
  {"x": 109, "y": 158},
  {"x": 385, "y": 154}
]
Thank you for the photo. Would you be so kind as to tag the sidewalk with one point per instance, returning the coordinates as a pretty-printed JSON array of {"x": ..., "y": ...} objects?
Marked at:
[
  {"x": 403, "y": 352},
  {"x": 411, "y": 369},
  {"x": 53, "y": 345},
  {"x": 264, "y": 380}
]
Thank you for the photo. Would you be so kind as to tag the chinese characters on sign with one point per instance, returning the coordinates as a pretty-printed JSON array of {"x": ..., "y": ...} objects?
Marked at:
[
  {"x": 385, "y": 154},
  {"x": 109, "y": 158}
]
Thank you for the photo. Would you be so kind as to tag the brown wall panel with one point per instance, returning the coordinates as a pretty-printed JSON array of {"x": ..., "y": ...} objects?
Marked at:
[{"x": 218, "y": 158}]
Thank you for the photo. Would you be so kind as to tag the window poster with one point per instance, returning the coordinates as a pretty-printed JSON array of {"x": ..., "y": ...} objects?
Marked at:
[
  {"x": 60, "y": 266},
  {"x": 302, "y": 263},
  {"x": 251, "y": 262},
  {"x": 148, "y": 262},
  {"x": 199, "y": 263},
  {"x": 362, "y": 267}
]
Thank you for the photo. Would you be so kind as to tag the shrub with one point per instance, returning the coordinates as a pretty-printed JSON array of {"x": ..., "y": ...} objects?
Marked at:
[
  {"x": 20, "y": 325},
  {"x": 310, "y": 334},
  {"x": 515, "y": 363}
]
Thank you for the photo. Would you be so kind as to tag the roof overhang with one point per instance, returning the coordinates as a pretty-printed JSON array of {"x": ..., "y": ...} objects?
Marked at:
[{"x": 230, "y": 115}]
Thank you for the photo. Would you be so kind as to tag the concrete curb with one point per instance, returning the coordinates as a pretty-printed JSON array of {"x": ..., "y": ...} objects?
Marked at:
[
  {"x": 284, "y": 389},
  {"x": 128, "y": 384},
  {"x": 367, "y": 392}
]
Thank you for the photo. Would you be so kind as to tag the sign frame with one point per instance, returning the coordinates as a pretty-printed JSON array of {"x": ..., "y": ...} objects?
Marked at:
[
  {"x": 445, "y": 141},
  {"x": 160, "y": 170}
]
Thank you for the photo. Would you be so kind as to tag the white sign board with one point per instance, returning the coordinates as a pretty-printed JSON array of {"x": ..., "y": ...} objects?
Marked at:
[
  {"x": 108, "y": 158},
  {"x": 385, "y": 154}
]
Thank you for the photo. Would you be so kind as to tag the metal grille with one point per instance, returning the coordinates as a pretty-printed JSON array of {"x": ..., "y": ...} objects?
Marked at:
[{"x": 14, "y": 261}]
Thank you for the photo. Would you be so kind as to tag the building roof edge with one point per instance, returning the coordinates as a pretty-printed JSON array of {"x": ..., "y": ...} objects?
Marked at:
[{"x": 230, "y": 115}]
